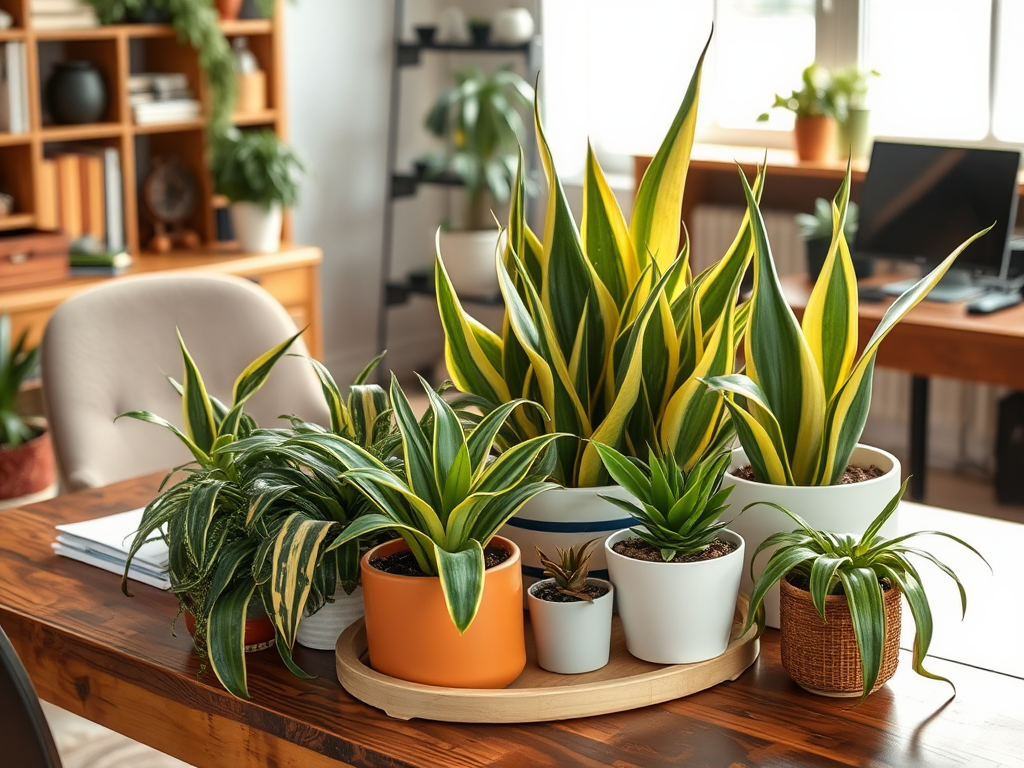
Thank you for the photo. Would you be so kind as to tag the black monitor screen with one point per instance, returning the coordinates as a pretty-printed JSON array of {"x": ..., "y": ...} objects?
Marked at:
[{"x": 920, "y": 202}]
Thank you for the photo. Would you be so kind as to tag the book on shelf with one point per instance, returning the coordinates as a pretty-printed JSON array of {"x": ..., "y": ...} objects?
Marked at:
[
  {"x": 157, "y": 82},
  {"x": 114, "y": 260},
  {"x": 104, "y": 543},
  {"x": 62, "y": 14},
  {"x": 56, "y": 6},
  {"x": 170, "y": 111},
  {"x": 81, "y": 193},
  {"x": 13, "y": 88}
]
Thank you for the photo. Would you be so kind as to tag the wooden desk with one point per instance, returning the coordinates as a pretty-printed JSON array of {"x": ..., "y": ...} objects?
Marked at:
[
  {"x": 291, "y": 275},
  {"x": 112, "y": 659},
  {"x": 937, "y": 339}
]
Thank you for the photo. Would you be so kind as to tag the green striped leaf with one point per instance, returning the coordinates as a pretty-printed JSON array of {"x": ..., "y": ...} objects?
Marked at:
[
  {"x": 255, "y": 374},
  {"x": 462, "y": 582},
  {"x": 296, "y": 555},
  {"x": 415, "y": 450},
  {"x": 605, "y": 234},
  {"x": 200, "y": 455},
  {"x": 333, "y": 398},
  {"x": 226, "y": 639},
  {"x": 196, "y": 409}
]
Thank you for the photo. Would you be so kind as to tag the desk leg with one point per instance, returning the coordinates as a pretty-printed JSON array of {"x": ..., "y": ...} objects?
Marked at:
[{"x": 918, "y": 435}]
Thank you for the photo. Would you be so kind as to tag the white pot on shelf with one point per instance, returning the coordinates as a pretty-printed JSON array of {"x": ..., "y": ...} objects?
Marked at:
[
  {"x": 257, "y": 227},
  {"x": 676, "y": 613},
  {"x": 512, "y": 26},
  {"x": 468, "y": 257},
  {"x": 574, "y": 637},
  {"x": 322, "y": 629},
  {"x": 837, "y": 508}
]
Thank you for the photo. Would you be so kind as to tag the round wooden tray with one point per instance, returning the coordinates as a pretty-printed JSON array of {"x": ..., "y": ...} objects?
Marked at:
[{"x": 538, "y": 695}]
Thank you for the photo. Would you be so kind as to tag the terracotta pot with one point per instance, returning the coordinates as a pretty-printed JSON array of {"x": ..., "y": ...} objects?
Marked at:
[
  {"x": 229, "y": 9},
  {"x": 822, "y": 656},
  {"x": 27, "y": 469},
  {"x": 411, "y": 635},
  {"x": 259, "y": 631},
  {"x": 815, "y": 138}
]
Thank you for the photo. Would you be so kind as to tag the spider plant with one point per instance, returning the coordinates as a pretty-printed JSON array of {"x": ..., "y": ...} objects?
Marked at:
[
  {"x": 841, "y": 564},
  {"x": 450, "y": 497},
  {"x": 802, "y": 405},
  {"x": 678, "y": 511},
  {"x": 213, "y": 565},
  {"x": 604, "y": 324}
]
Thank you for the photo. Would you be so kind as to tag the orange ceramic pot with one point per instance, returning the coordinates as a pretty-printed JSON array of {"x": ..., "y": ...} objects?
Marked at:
[
  {"x": 27, "y": 469},
  {"x": 257, "y": 636},
  {"x": 229, "y": 9},
  {"x": 411, "y": 635},
  {"x": 815, "y": 138}
]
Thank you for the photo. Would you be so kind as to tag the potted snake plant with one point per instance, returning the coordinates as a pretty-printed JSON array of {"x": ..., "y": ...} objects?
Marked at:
[
  {"x": 607, "y": 329},
  {"x": 841, "y": 602},
  {"x": 571, "y": 613},
  {"x": 201, "y": 513},
  {"x": 801, "y": 407},
  {"x": 444, "y": 603},
  {"x": 677, "y": 571}
]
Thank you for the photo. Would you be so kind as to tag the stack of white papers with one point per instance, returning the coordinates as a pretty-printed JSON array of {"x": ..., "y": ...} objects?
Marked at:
[{"x": 105, "y": 541}]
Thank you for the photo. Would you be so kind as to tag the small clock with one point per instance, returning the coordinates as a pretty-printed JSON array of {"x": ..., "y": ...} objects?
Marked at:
[{"x": 172, "y": 194}]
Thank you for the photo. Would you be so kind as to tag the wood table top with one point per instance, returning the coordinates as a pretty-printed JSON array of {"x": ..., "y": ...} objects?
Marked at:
[{"x": 113, "y": 659}]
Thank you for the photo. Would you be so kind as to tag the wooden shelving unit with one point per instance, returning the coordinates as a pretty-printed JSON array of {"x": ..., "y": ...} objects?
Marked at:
[{"x": 119, "y": 51}]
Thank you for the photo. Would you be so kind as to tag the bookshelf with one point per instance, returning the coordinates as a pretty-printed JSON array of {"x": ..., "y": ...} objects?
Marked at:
[{"x": 118, "y": 51}]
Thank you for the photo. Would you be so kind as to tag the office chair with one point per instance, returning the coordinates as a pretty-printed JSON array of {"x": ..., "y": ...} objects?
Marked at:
[
  {"x": 109, "y": 349},
  {"x": 24, "y": 733}
]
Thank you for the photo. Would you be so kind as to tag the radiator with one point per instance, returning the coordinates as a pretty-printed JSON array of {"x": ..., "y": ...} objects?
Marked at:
[{"x": 962, "y": 416}]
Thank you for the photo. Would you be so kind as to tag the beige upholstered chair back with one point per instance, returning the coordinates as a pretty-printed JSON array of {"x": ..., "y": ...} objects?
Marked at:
[{"x": 110, "y": 348}]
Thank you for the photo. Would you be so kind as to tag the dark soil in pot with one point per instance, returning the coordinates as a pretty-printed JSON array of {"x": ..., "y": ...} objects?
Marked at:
[
  {"x": 404, "y": 563},
  {"x": 638, "y": 549},
  {"x": 853, "y": 474},
  {"x": 550, "y": 593}
]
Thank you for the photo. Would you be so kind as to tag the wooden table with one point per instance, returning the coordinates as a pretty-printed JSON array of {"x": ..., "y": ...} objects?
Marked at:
[
  {"x": 936, "y": 339},
  {"x": 113, "y": 659}
]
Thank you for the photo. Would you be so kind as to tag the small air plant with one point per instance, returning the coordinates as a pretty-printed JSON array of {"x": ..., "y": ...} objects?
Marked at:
[{"x": 571, "y": 569}]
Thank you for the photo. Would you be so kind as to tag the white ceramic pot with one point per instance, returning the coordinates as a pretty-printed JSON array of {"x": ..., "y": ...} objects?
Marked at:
[
  {"x": 468, "y": 257},
  {"x": 676, "y": 613},
  {"x": 512, "y": 26},
  {"x": 257, "y": 227},
  {"x": 566, "y": 517},
  {"x": 837, "y": 508},
  {"x": 571, "y": 638},
  {"x": 321, "y": 630}
]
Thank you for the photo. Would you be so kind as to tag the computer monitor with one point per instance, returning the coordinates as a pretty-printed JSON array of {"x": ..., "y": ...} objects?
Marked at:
[{"x": 919, "y": 202}]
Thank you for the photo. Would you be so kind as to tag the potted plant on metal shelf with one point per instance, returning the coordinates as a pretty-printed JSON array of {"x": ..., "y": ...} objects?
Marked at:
[
  {"x": 444, "y": 604},
  {"x": 213, "y": 557},
  {"x": 606, "y": 328},
  {"x": 479, "y": 118},
  {"x": 801, "y": 407},
  {"x": 259, "y": 174},
  {"x": 841, "y": 606},
  {"x": 677, "y": 572},
  {"x": 571, "y": 613},
  {"x": 814, "y": 105},
  {"x": 27, "y": 469},
  {"x": 299, "y": 504}
]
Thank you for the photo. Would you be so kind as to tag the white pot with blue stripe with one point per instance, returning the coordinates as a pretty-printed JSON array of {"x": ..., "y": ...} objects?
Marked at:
[{"x": 565, "y": 517}]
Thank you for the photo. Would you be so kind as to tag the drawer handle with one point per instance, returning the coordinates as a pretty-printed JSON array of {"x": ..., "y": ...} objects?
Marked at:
[{"x": 18, "y": 258}]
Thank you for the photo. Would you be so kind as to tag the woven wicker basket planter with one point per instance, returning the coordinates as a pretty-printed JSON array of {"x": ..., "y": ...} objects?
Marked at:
[{"x": 822, "y": 656}]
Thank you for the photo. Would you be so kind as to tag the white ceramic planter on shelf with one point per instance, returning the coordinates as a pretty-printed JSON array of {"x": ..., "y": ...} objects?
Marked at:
[
  {"x": 322, "y": 629},
  {"x": 676, "y": 613},
  {"x": 566, "y": 517},
  {"x": 468, "y": 257},
  {"x": 257, "y": 227},
  {"x": 837, "y": 508},
  {"x": 572, "y": 638}
]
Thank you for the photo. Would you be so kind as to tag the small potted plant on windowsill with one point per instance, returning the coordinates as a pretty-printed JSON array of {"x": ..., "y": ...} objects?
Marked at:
[
  {"x": 570, "y": 613},
  {"x": 850, "y": 86},
  {"x": 841, "y": 603},
  {"x": 677, "y": 573},
  {"x": 27, "y": 469},
  {"x": 814, "y": 106},
  {"x": 801, "y": 407},
  {"x": 259, "y": 174}
]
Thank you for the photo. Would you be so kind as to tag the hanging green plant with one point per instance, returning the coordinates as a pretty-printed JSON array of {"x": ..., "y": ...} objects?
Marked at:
[{"x": 197, "y": 24}]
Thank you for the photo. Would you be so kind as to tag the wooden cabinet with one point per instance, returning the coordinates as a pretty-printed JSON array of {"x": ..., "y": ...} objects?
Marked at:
[{"x": 291, "y": 276}]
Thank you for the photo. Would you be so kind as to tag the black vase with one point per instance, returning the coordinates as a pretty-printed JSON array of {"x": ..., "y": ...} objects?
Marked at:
[
  {"x": 481, "y": 32},
  {"x": 76, "y": 93}
]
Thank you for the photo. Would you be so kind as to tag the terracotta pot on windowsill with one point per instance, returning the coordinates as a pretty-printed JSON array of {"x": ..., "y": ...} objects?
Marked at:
[
  {"x": 815, "y": 138},
  {"x": 229, "y": 9}
]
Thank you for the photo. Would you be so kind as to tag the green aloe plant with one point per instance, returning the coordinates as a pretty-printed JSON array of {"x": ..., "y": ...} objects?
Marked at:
[
  {"x": 570, "y": 570},
  {"x": 840, "y": 564},
  {"x": 678, "y": 511},
  {"x": 213, "y": 565},
  {"x": 801, "y": 406},
  {"x": 604, "y": 325},
  {"x": 451, "y": 496}
]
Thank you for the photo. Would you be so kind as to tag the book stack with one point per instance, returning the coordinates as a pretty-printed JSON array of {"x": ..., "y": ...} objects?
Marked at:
[
  {"x": 13, "y": 88},
  {"x": 161, "y": 97},
  {"x": 104, "y": 542},
  {"x": 62, "y": 14},
  {"x": 98, "y": 264},
  {"x": 81, "y": 193}
]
